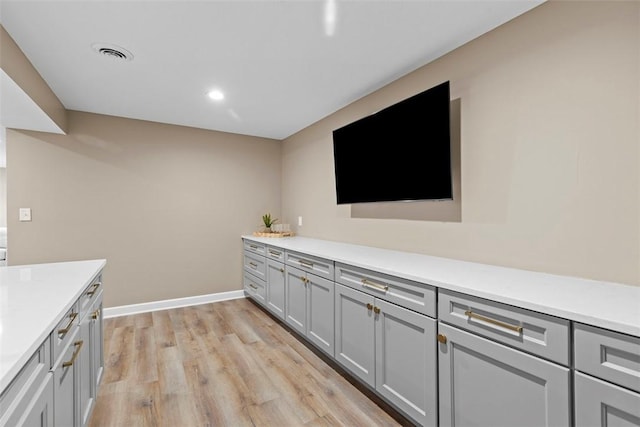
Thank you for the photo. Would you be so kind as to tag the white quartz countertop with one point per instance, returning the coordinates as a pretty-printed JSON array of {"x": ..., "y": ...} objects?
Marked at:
[
  {"x": 608, "y": 305},
  {"x": 33, "y": 299}
]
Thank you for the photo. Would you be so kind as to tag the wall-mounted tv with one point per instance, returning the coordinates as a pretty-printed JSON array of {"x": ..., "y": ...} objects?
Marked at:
[{"x": 400, "y": 153}]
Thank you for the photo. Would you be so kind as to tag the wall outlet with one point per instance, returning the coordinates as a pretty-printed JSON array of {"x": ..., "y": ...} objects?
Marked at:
[
  {"x": 25, "y": 214},
  {"x": 299, "y": 221}
]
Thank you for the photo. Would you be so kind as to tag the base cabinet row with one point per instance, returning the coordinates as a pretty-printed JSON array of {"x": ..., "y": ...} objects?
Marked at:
[
  {"x": 444, "y": 358},
  {"x": 59, "y": 385},
  {"x": 391, "y": 349}
]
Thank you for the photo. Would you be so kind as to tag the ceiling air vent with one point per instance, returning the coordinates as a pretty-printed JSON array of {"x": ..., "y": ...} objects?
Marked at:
[{"x": 112, "y": 51}]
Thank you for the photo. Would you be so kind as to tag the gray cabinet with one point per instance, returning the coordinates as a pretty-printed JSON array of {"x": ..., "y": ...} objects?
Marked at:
[
  {"x": 84, "y": 380},
  {"x": 607, "y": 378},
  {"x": 485, "y": 383},
  {"x": 28, "y": 400},
  {"x": 320, "y": 315},
  {"x": 77, "y": 368},
  {"x": 600, "y": 403},
  {"x": 491, "y": 364},
  {"x": 296, "y": 300},
  {"x": 275, "y": 292},
  {"x": 390, "y": 348},
  {"x": 254, "y": 287},
  {"x": 65, "y": 383},
  {"x": 39, "y": 412},
  {"x": 309, "y": 307},
  {"x": 85, "y": 362},
  {"x": 501, "y": 365},
  {"x": 96, "y": 338},
  {"x": 58, "y": 385},
  {"x": 255, "y": 264},
  {"x": 355, "y": 333}
]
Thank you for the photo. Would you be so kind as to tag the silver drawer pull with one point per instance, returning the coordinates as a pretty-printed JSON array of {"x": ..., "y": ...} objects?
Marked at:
[
  {"x": 473, "y": 315},
  {"x": 305, "y": 263},
  {"x": 253, "y": 246},
  {"x": 253, "y": 286},
  {"x": 375, "y": 286},
  {"x": 253, "y": 264},
  {"x": 274, "y": 253}
]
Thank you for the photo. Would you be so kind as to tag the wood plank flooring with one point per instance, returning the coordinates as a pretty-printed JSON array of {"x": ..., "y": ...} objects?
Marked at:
[{"x": 224, "y": 364}]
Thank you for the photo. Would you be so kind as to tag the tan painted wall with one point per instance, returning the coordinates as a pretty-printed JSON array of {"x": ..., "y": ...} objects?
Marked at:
[
  {"x": 549, "y": 149},
  {"x": 19, "y": 68},
  {"x": 164, "y": 204}
]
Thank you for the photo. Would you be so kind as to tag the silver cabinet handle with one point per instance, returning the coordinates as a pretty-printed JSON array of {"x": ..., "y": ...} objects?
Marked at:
[
  {"x": 305, "y": 263},
  {"x": 375, "y": 286},
  {"x": 473, "y": 315}
]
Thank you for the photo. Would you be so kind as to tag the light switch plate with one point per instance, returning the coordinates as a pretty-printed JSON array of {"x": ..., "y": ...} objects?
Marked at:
[{"x": 25, "y": 214}]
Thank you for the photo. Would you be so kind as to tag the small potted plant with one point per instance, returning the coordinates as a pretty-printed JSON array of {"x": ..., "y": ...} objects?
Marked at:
[{"x": 268, "y": 222}]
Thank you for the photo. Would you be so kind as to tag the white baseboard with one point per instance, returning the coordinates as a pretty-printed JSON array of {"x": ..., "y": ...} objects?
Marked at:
[{"x": 146, "y": 307}]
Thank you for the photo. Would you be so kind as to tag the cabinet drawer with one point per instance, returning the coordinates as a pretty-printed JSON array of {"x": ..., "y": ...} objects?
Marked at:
[
  {"x": 537, "y": 333},
  {"x": 63, "y": 332},
  {"x": 318, "y": 266},
  {"x": 608, "y": 355},
  {"x": 276, "y": 254},
  {"x": 256, "y": 288},
  {"x": 255, "y": 247},
  {"x": 405, "y": 293},
  {"x": 85, "y": 302},
  {"x": 18, "y": 394},
  {"x": 255, "y": 264}
]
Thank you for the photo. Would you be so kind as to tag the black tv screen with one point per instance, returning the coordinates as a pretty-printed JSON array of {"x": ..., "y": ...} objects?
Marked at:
[{"x": 400, "y": 153}]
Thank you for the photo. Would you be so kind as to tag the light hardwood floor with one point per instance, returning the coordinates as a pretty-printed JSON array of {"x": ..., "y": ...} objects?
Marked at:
[{"x": 224, "y": 364}]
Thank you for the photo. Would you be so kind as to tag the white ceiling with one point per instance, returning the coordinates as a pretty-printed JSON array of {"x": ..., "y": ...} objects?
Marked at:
[{"x": 278, "y": 63}]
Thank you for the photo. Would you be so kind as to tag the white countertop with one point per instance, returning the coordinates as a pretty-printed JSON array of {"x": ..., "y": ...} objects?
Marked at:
[
  {"x": 607, "y": 305},
  {"x": 33, "y": 299}
]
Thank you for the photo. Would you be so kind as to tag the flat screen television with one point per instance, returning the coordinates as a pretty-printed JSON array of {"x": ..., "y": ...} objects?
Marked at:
[{"x": 400, "y": 153}]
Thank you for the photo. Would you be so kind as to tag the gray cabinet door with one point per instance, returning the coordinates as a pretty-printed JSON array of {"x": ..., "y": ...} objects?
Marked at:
[
  {"x": 85, "y": 377},
  {"x": 296, "y": 299},
  {"x": 275, "y": 288},
  {"x": 320, "y": 318},
  {"x": 483, "y": 383},
  {"x": 355, "y": 333},
  {"x": 602, "y": 404},
  {"x": 96, "y": 339},
  {"x": 39, "y": 413},
  {"x": 406, "y": 368},
  {"x": 64, "y": 385}
]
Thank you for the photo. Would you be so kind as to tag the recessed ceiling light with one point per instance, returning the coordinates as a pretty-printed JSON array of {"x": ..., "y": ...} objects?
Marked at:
[
  {"x": 112, "y": 51},
  {"x": 216, "y": 95}
]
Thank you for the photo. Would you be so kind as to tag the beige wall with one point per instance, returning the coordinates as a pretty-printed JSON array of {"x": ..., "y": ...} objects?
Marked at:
[
  {"x": 17, "y": 66},
  {"x": 164, "y": 204},
  {"x": 549, "y": 149}
]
